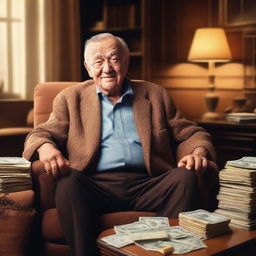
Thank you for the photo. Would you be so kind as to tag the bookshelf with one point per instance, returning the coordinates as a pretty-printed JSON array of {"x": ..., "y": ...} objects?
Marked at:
[{"x": 125, "y": 19}]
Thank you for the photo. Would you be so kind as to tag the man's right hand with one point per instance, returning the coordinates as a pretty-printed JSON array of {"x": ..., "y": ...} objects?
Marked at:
[{"x": 54, "y": 162}]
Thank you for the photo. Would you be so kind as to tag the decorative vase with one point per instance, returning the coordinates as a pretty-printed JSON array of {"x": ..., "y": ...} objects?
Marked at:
[{"x": 250, "y": 101}]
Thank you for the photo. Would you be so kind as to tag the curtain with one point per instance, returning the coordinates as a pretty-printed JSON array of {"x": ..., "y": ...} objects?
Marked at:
[{"x": 52, "y": 42}]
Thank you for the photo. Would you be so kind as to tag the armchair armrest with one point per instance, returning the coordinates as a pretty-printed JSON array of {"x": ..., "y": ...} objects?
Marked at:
[{"x": 44, "y": 186}]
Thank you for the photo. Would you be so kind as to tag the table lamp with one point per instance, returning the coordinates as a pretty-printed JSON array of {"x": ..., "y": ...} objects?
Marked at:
[{"x": 210, "y": 45}]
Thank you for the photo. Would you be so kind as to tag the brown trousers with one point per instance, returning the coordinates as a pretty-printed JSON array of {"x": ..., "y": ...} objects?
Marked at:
[{"x": 81, "y": 198}]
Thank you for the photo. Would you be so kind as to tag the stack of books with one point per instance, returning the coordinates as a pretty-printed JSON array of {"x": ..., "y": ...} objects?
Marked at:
[
  {"x": 237, "y": 195},
  {"x": 204, "y": 223},
  {"x": 242, "y": 117},
  {"x": 14, "y": 174}
]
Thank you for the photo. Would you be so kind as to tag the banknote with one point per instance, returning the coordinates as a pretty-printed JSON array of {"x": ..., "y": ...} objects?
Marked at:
[
  {"x": 117, "y": 240},
  {"x": 235, "y": 214},
  {"x": 182, "y": 240},
  {"x": 156, "y": 222},
  {"x": 237, "y": 200},
  {"x": 204, "y": 216},
  {"x": 179, "y": 247},
  {"x": 132, "y": 227},
  {"x": 250, "y": 209},
  {"x": 244, "y": 162},
  {"x": 13, "y": 161},
  {"x": 177, "y": 232},
  {"x": 194, "y": 241},
  {"x": 149, "y": 235},
  {"x": 238, "y": 187}
]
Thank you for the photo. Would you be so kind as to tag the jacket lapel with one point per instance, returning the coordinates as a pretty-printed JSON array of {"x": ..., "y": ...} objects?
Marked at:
[
  {"x": 142, "y": 117},
  {"x": 91, "y": 122}
]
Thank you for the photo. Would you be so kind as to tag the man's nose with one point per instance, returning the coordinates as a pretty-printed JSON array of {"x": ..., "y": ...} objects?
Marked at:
[{"x": 107, "y": 67}]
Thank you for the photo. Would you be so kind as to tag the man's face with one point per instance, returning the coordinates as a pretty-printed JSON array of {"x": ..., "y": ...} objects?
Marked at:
[{"x": 107, "y": 64}]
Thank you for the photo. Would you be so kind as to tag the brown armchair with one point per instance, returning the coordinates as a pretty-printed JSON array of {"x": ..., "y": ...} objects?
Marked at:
[{"x": 52, "y": 239}]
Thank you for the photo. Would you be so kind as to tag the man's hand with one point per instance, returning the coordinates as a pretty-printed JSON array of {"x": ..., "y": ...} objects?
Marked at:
[
  {"x": 53, "y": 160},
  {"x": 196, "y": 161}
]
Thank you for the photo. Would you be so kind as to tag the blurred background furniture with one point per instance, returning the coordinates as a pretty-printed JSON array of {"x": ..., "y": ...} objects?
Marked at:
[
  {"x": 15, "y": 123},
  {"x": 51, "y": 240},
  {"x": 231, "y": 140}
]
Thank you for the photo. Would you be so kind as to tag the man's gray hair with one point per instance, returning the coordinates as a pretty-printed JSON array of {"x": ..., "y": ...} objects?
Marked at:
[{"x": 101, "y": 37}]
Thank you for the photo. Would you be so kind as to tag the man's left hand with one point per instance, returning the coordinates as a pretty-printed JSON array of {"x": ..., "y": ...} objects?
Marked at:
[{"x": 196, "y": 161}]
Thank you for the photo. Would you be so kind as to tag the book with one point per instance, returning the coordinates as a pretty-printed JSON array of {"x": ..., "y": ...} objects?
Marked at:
[{"x": 242, "y": 117}]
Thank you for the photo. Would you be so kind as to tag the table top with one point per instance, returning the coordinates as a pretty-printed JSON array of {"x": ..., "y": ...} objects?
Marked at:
[
  {"x": 225, "y": 123},
  {"x": 214, "y": 246}
]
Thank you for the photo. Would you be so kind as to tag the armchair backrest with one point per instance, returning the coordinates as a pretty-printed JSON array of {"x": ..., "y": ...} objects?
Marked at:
[{"x": 43, "y": 97}]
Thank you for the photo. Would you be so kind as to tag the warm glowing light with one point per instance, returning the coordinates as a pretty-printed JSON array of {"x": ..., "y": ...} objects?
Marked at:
[{"x": 209, "y": 44}]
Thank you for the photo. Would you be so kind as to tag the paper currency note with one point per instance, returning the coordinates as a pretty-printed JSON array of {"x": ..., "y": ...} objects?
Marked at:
[
  {"x": 177, "y": 232},
  {"x": 244, "y": 162},
  {"x": 132, "y": 227},
  {"x": 156, "y": 222},
  {"x": 179, "y": 248},
  {"x": 117, "y": 240},
  {"x": 13, "y": 161},
  {"x": 149, "y": 235},
  {"x": 204, "y": 216}
]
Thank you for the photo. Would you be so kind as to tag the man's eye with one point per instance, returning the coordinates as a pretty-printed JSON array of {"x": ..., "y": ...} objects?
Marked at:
[
  {"x": 115, "y": 59},
  {"x": 98, "y": 61}
]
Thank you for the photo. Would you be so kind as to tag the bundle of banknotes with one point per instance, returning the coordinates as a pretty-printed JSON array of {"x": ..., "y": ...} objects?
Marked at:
[
  {"x": 14, "y": 174},
  {"x": 155, "y": 234},
  {"x": 204, "y": 223},
  {"x": 237, "y": 194}
]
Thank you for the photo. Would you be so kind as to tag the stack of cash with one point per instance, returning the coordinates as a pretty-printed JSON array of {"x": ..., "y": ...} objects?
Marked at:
[
  {"x": 204, "y": 223},
  {"x": 237, "y": 195},
  {"x": 14, "y": 174},
  {"x": 155, "y": 234}
]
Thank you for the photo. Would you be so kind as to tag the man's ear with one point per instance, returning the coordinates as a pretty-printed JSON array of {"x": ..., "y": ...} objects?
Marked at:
[{"x": 87, "y": 67}]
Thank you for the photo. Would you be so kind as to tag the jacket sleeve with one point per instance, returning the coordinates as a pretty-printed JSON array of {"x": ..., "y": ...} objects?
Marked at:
[
  {"x": 53, "y": 131},
  {"x": 187, "y": 134}
]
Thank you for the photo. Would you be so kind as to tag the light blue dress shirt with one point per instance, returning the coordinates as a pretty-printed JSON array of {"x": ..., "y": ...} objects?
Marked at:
[{"x": 120, "y": 143}]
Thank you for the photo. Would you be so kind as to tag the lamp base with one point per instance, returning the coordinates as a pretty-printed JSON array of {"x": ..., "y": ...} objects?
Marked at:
[
  {"x": 211, "y": 116},
  {"x": 211, "y": 100}
]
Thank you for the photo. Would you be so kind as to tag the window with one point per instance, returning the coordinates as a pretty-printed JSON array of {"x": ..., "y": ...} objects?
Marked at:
[
  {"x": 31, "y": 40},
  {"x": 12, "y": 46}
]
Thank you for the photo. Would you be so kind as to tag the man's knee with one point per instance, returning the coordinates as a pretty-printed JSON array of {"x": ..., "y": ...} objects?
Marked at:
[
  {"x": 183, "y": 176},
  {"x": 69, "y": 184}
]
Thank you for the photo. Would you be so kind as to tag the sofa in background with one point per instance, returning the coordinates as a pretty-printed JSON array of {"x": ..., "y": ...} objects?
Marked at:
[{"x": 16, "y": 121}]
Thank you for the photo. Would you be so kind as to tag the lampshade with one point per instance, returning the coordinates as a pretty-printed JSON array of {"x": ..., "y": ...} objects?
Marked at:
[{"x": 209, "y": 44}]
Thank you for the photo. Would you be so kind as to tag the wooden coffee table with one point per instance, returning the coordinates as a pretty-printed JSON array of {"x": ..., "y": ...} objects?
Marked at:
[{"x": 237, "y": 243}]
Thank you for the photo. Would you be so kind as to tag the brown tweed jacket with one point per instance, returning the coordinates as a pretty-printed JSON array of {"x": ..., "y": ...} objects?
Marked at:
[{"x": 75, "y": 126}]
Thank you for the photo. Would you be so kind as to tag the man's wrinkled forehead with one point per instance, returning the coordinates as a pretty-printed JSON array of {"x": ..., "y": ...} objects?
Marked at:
[{"x": 108, "y": 46}]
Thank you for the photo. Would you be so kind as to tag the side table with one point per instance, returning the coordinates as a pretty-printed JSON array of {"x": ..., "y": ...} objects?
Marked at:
[{"x": 238, "y": 243}]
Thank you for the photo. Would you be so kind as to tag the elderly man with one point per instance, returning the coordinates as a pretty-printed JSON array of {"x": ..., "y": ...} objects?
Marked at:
[{"x": 112, "y": 144}]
